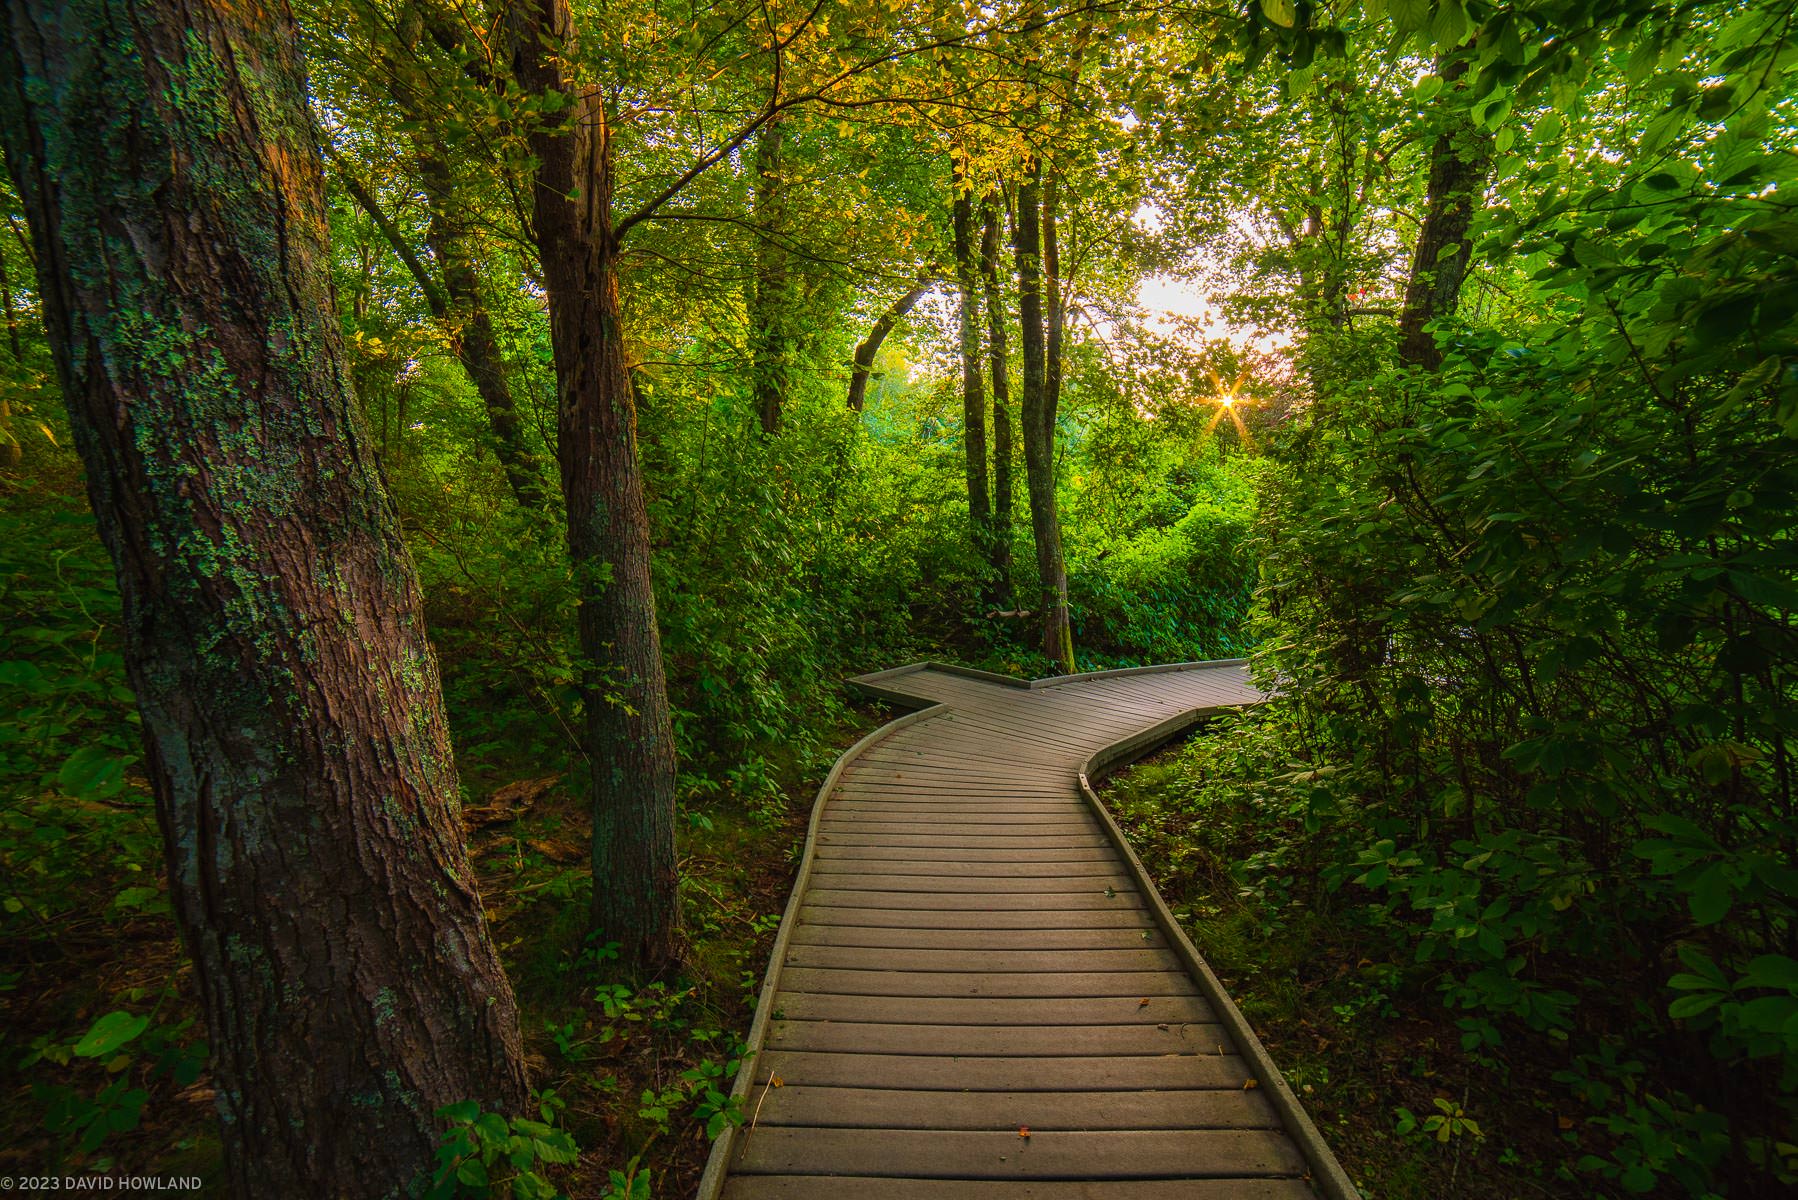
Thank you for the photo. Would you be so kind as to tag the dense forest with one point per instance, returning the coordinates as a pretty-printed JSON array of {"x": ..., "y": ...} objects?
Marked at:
[{"x": 451, "y": 455}]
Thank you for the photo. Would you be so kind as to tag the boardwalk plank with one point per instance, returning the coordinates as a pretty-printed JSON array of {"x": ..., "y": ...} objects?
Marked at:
[
  {"x": 1027, "y": 1041},
  {"x": 961, "y": 901},
  {"x": 969, "y": 1154},
  {"x": 880, "y": 869},
  {"x": 982, "y": 983},
  {"x": 988, "y": 1010},
  {"x": 861, "y": 1187},
  {"x": 978, "y": 939},
  {"x": 989, "y": 1073},
  {"x": 1061, "y": 854},
  {"x": 1128, "y": 917},
  {"x": 887, "y": 1108},
  {"x": 859, "y": 958}
]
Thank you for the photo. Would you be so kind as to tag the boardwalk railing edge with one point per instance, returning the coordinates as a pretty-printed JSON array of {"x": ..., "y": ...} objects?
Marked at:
[
  {"x": 718, "y": 1163},
  {"x": 1327, "y": 1174}
]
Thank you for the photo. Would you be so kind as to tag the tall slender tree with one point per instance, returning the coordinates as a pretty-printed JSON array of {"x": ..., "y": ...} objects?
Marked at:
[
  {"x": 292, "y": 717},
  {"x": 973, "y": 385},
  {"x": 1039, "y": 426},
  {"x": 629, "y": 738},
  {"x": 1003, "y": 453}
]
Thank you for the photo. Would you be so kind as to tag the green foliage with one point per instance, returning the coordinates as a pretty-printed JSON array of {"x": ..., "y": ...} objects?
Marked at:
[
  {"x": 487, "y": 1154},
  {"x": 131, "y": 1051}
]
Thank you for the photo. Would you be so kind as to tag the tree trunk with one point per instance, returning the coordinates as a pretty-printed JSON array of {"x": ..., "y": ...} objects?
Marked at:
[
  {"x": 457, "y": 305},
  {"x": 870, "y": 346},
  {"x": 973, "y": 388},
  {"x": 1459, "y": 162},
  {"x": 1055, "y": 302},
  {"x": 470, "y": 327},
  {"x": 1039, "y": 430},
  {"x": 771, "y": 302},
  {"x": 628, "y": 736},
  {"x": 1003, "y": 455},
  {"x": 11, "y": 452},
  {"x": 292, "y": 717}
]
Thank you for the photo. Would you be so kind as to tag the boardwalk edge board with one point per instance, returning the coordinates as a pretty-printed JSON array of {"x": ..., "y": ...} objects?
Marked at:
[
  {"x": 717, "y": 1164},
  {"x": 1326, "y": 1173}
]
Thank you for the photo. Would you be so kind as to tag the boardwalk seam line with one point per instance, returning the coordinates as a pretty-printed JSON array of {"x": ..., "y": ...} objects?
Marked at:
[{"x": 717, "y": 1163}]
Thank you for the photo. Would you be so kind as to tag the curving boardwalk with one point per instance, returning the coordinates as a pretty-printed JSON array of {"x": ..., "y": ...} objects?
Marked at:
[{"x": 972, "y": 953}]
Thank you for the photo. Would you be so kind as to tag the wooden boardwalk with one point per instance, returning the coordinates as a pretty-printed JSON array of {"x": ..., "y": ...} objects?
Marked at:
[{"x": 972, "y": 954}]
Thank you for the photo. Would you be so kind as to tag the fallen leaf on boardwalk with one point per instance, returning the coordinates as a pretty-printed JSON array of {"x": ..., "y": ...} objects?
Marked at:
[
  {"x": 1143, "y": 1003},
  {"x": 1250, "y": 1083},
  {"x": 1024, "y": 1132},
  {"x": 776, "y": 1081}
]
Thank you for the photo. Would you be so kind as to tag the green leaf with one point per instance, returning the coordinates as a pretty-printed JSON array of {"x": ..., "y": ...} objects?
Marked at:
[
  {"x": 1449, "y": 28},
  {"x": 91, "y": 773},
  {"x": 1712, "y": 896},
  {"x": 461, "y": 1112},
  {"x": 1280, "y": 12},
  {"x": 1771, "y": 971},
  {"x": 1409, "y": 15},
  {"x": 135, "y": 897},
  {"x": 1691, "y": 1006},
  {"x": 110, "y": 1032}
]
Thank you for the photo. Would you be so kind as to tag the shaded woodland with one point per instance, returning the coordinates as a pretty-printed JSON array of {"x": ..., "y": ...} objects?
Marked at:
[{"x": 450, "y": 456}]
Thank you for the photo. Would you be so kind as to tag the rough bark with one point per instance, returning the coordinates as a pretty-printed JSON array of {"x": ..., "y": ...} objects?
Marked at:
[
  {"x": 627, "y": 737},
  {"x": 1039, "y": 429},
  {"x": 1003, "y": 454},
  {"x": 863, "y": 362},
  {"x": 973, "y": 385},
  {"x": 771, "y": 302},
  {"x": 292, "y": 717},
  {"x": 1459, "y": 163}
]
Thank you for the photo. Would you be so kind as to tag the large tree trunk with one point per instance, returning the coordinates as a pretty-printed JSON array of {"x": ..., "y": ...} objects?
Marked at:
[
  {"x": 292, "y": 717},
  {"x": 1039, "y": 430},
  {"x": 771, "y": 302},
  {"x": 1459, "y": 162},
  {"x": 628, "y": 737},
  {"x": 973, "y": 388},
  {"x": 470, "y": 327},
  {"x": 1003, "y": 455},
  {"x": 862, "y": 365}
]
